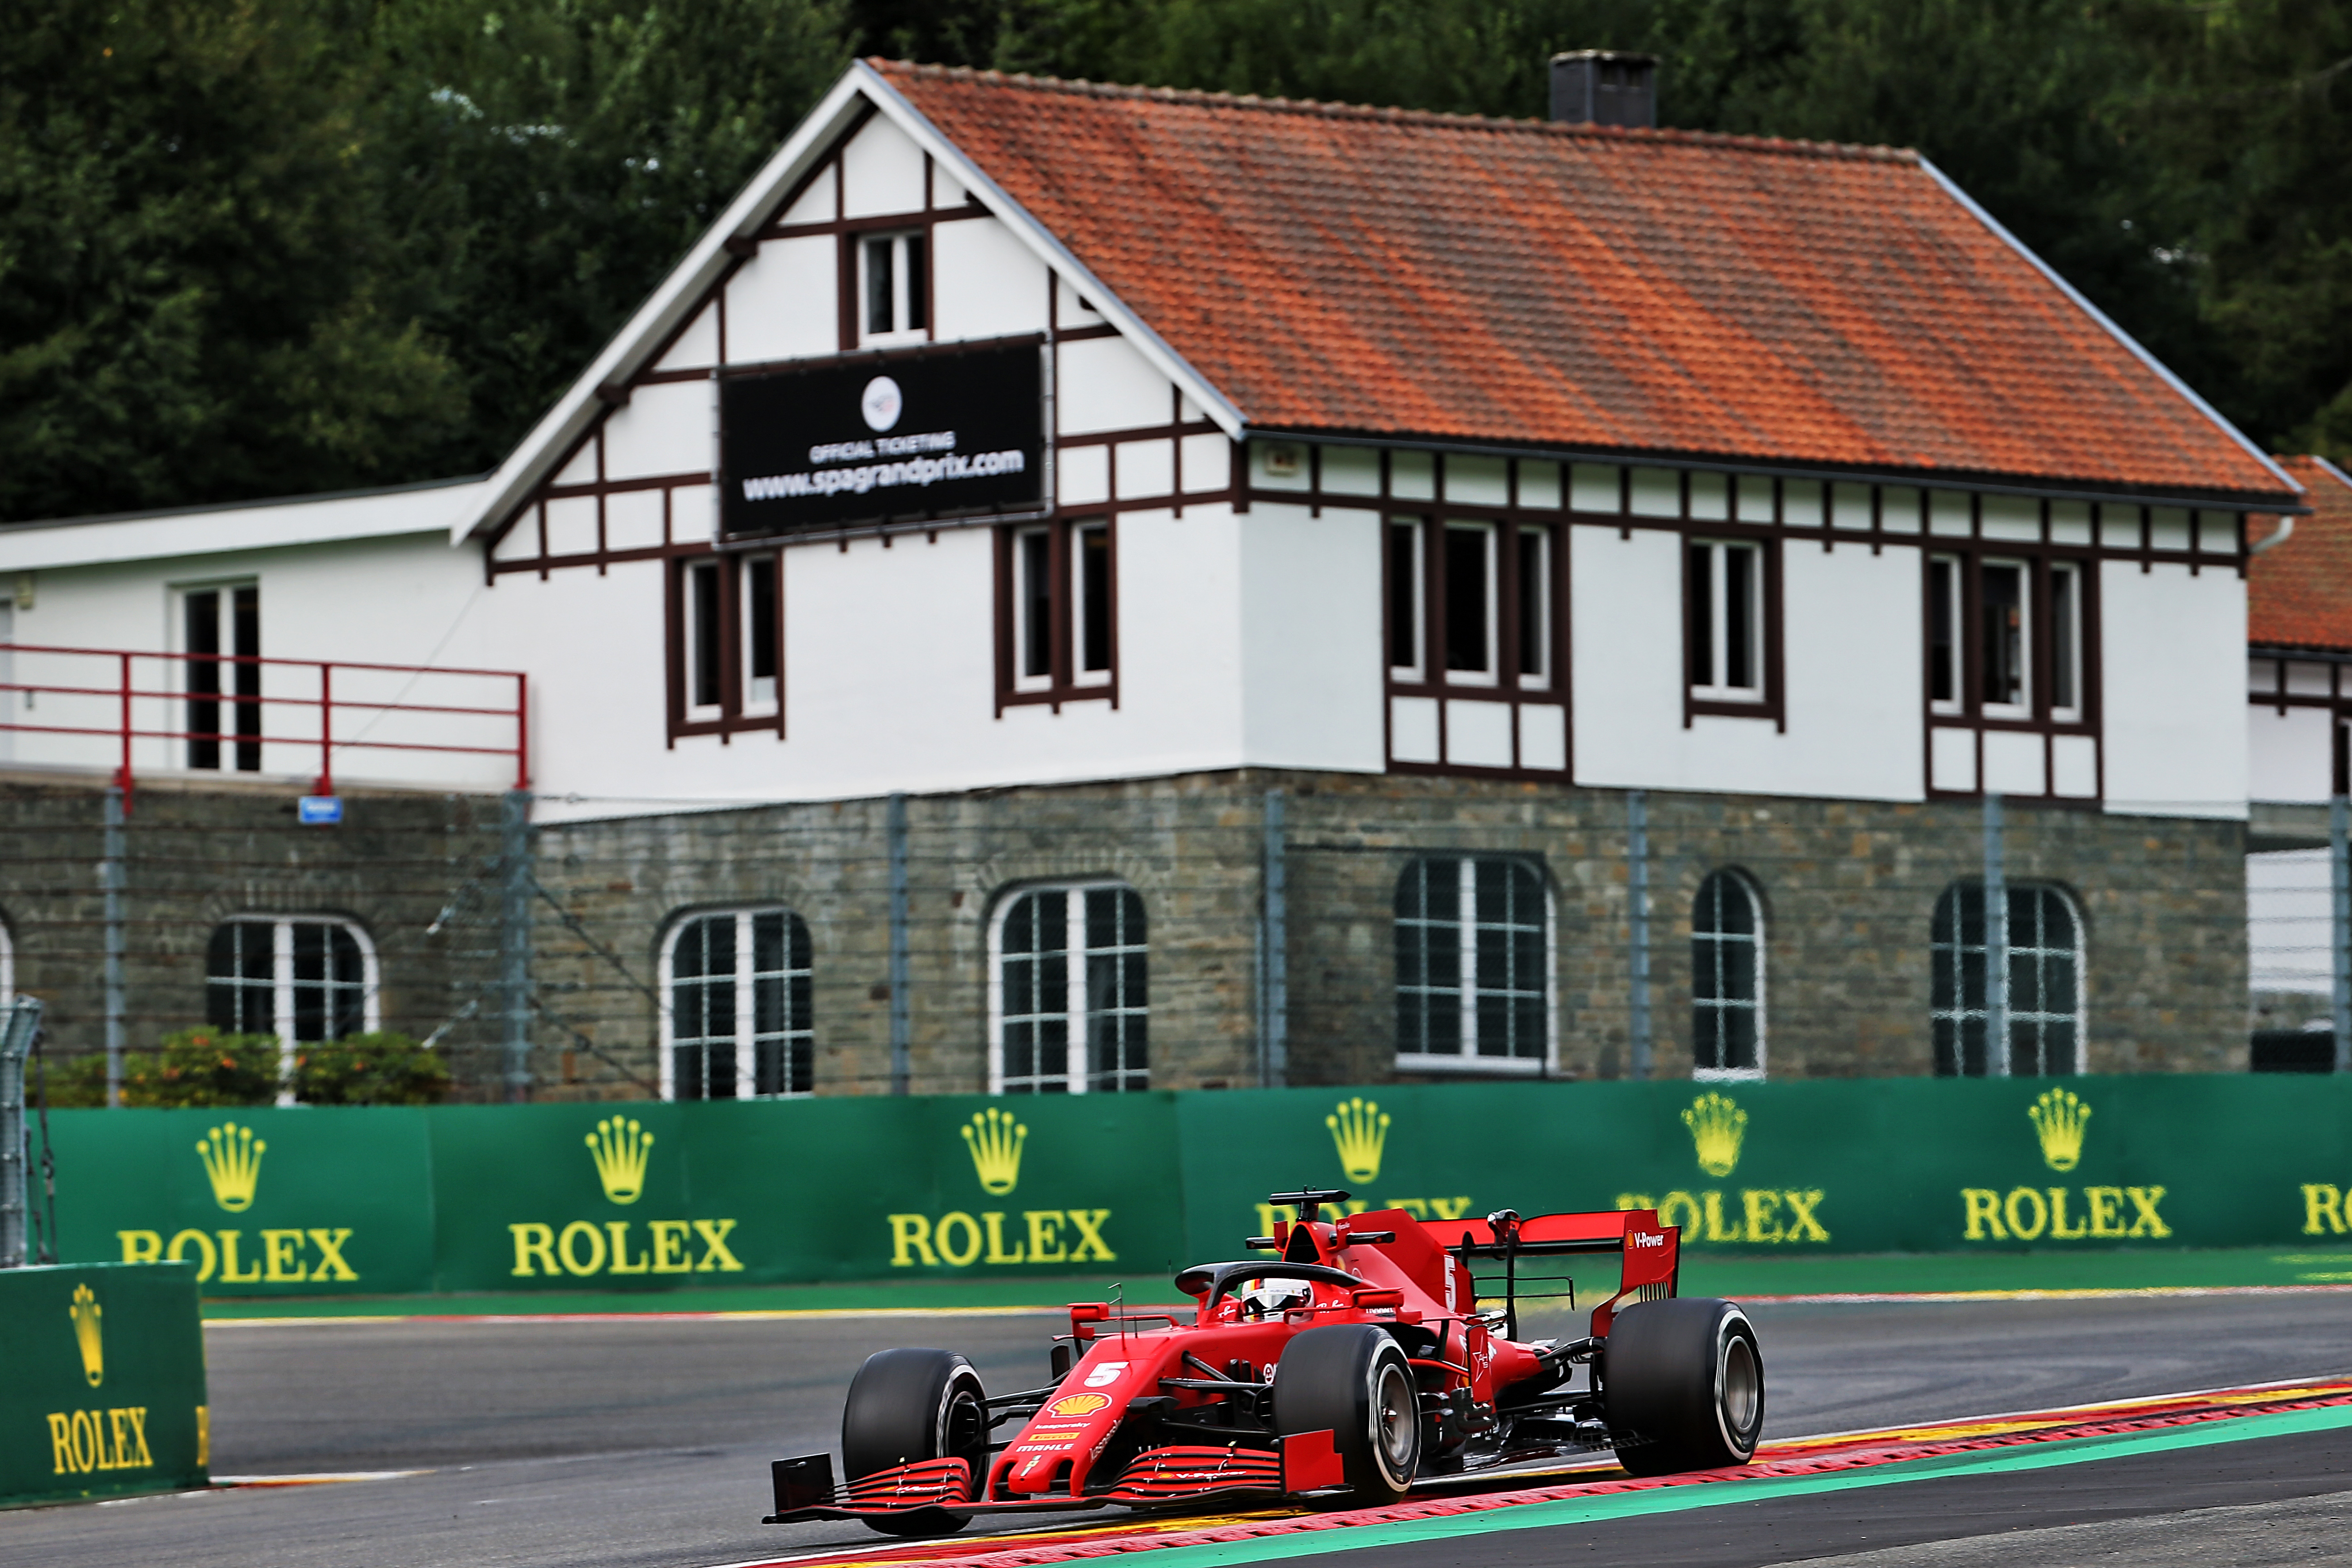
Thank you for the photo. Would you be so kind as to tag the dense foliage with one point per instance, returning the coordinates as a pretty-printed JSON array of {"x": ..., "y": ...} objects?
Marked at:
[
  {"x": 207, "y": 1068},
  {"x": 291, "y": 245}
]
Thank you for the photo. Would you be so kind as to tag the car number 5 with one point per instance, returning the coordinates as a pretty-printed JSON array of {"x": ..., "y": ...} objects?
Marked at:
[{"x": 1105, "y": 1374}]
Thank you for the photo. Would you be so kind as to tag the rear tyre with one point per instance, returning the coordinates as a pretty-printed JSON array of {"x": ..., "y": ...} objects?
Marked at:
[
  {"x": 1683, "y": 1381},
  {"x": 911, "y": 1404},
  {"x": 1351, "y": 1380}
]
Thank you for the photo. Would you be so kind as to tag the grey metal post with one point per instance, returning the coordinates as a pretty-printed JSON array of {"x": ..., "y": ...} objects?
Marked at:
[
  {"x": 1996, "y": 941},
  {"x": 515, "y": 883},
  {"x": 902, "y": 1061},
  {"x": 1274, "y": 998},
  {"x": 18, "y": 1022},
  {"x": 2339, "y": 863},
  {"x": 110, "y": 881},
  {"x": 1637, "y": 920}
]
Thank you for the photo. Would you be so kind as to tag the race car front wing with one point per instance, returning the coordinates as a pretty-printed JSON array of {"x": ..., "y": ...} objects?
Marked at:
[{"x": 1181, "y": 1473}]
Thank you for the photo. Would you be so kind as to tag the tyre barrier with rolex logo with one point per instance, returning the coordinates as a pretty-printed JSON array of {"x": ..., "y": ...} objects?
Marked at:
[
  {"x": 649, "y": 1197},
  {"x": 103, "y": 1387}
]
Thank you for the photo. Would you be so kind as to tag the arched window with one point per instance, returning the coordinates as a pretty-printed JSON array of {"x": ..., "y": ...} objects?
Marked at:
[
  {"x": 1473, "y": 966},
  {"x": 299, "y": 977},
  {"x": 2045, "y": 983},
  {"x": 1728, "y": 978},
  {"x": 737, "y": 1020},
  {"x": 1069, "y": 959}
]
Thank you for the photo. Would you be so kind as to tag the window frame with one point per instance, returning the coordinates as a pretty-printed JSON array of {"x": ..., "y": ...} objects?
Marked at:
[
  {"x": 1701, "y": 694},
  {"x": 1068, "y": 602},
  {"x": 282, "y": 983},
  {"x": 910, "y": 298},
  {"x": 746, "y": 1012},
  {"x": 238, "y": 699},
  {"x": 1758, "y": 1006},
  {"x": 1470, "y": 1063},
  {"x": 1077, "y": 1074},
  {"x": 1959, "y": 1013},
  {"x": 734, "y": 656},
  {"x": 2060, "y": 588}
]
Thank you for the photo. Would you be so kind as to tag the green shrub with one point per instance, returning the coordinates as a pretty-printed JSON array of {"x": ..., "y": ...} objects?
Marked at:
[
  {"x": 74, "y": 1083},
  {"x": 200, "y": 1067},
  {"x": 382, "y": 1068}
]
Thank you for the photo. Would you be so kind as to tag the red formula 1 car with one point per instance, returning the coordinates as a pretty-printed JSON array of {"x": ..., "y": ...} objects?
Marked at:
[{"x": 1357, "y": 1362}]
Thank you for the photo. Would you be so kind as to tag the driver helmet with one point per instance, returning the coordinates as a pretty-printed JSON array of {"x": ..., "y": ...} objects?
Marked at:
[{"x": 1275, "y": 1296}]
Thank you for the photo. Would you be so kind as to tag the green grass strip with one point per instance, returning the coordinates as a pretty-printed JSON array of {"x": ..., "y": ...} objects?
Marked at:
[{"x": 1720, "y": 1494}]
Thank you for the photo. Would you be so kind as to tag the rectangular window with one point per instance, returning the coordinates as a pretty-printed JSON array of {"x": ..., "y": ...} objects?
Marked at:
[
  {"x": 1470, "y": 602},
  {"x": 2002, "y": 651},
  {"x": 1943, "y": 634},
  {"x": 1071, "y": 964},
  {"x": 738, "y": 1023},
  {"x": 728, "y": 650},
  {"x": 1534, "y": 605},
  {"x": 1093, "y": 620},
  {"x": 895, "y": 287},
  {"x": 1726, "y": 621},
  {"x": 706, "y": 641},
  {"x": 1473, "y": 956},
  {"x": 221, "y": 627},
  {"x": 1060, "y": 604},
  {"x": 1406, "y": 609},
  {"x": 763, "y": 646},
  {"x": 2065, "y": 656}
]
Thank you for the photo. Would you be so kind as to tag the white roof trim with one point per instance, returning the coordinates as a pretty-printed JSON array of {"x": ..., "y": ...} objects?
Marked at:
[
  {"x": 668, "y": 308},
  {"x": 2341, "y": 477},
  {"x": 2128, "y": 341},
  {"x": 185, "y": 532}
]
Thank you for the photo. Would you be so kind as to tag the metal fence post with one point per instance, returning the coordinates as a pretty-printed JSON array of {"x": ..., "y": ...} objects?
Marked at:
[
  {"x": 18, "y": 1024},
  {"x": 1274, "y": 996},
  {"x": 110, "y": 883},
  {"x": 515, "y": 883},
  {"x": 902, "y": 1063},
  {"x": 1996, "y": 943},
  {"x": 2339, "y": 866},
  {"x": 1637, "y": 922}
]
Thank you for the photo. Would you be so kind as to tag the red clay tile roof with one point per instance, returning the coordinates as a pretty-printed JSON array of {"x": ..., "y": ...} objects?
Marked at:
[
  {"x": 2299, "y": 594},
  {"x": 1380, "y": 271}
]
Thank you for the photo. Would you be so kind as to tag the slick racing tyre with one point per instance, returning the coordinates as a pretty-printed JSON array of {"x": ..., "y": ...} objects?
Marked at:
[
  {"x": 911, "y": 1404},
  {"x": 1683, "y": 1382},
  {"x": 1350, "y": 1380}
]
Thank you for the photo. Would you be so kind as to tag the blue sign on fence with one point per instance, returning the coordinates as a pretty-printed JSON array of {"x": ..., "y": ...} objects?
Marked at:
[{"x": 320, "y": 810}]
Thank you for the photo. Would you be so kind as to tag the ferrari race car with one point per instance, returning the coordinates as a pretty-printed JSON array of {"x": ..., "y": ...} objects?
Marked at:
[{"x": 1363, "y": 1357}]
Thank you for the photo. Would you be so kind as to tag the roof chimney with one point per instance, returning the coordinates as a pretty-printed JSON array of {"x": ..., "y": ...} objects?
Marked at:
[{"x": 1603, "y": 86}]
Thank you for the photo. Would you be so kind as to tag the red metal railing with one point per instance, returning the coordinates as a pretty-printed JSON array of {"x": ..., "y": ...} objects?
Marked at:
[{"x": 244, "y": 711}]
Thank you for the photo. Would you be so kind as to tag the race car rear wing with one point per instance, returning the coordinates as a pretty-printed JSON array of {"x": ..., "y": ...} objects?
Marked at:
[{"x": 1652, "y": 1253}]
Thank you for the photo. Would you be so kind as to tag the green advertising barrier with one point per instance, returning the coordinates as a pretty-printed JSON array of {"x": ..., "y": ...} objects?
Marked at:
[
  {"x": 567, "y": 1197},
  {"x": 104, "y": 1391},
  {"x": 263, "y": 1202},
  {"x": 556, "y": 1198},
  {"x": 1855, "y": 1166}
]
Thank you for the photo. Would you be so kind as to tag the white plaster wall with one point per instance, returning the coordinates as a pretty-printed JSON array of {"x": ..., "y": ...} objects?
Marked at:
[
  {"x": 1850, "y": 665},
  {"x": 666, "y": 428},
  {"x": 780, "y": 303},
  {"x": 1103, "y": 384},
  {"x": 396, "y": 600},
  {"x": 985, "y": 282},
  {"x": 2287, "y": 754},
  {"x": 881, "y": 172},
  {"x": 2173, "y": 651},
  {"x": 1310, "y": 638}
]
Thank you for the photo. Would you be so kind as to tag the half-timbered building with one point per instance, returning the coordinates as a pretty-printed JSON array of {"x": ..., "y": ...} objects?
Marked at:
[{"x": 1080, "y": 587}]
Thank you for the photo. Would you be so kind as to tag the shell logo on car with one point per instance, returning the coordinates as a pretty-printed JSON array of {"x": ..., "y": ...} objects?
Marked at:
[{"x": 1079, "y": 1405}]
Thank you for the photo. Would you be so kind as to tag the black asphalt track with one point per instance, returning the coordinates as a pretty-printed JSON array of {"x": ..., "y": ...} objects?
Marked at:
[{"x": 646, "y": 1443}]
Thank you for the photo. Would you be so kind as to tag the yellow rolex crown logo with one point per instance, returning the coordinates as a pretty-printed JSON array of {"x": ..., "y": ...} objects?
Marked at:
[
  {"x": 1359, "y": 1129},
  {"x": 619, "y": 1148},
  {"x": 85, "y": 1312},
  {"x": 2059, "y": 1120},
  {"x": 995, "y": 1138},
  {"x": 232, "y": 1157},
  {"x": 1717, "y": 1125}
]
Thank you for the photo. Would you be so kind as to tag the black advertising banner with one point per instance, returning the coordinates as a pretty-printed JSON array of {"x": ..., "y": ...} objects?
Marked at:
[{"x": 855, "y": 442}]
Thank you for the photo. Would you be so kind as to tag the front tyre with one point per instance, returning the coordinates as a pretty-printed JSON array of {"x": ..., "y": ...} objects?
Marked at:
[
  {"x": 1683, "y": 1381},
  {"x": 907, "y": 1405},
  {"x": 1352, "y": 1381}
]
